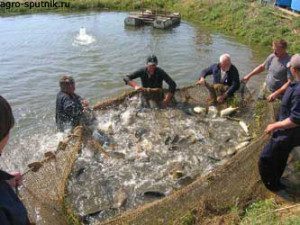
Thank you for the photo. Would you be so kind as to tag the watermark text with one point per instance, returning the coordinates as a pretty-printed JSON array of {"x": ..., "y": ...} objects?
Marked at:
[{"x": 33, "y": 4}]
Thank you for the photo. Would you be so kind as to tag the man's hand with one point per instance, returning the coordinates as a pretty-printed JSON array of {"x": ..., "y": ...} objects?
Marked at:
[
  {"x": 139, "y": 88},
  {"x": 85, "y": 103},
  {"x": 16, "y": 181},
  {"x": 271, "y": 128},
  {"x": 200, "y": 81},
  {"x": 272, "y": 97},
  {"x": 221, "y": 98},
  {"x": 167, "y": 99},
  {"x": 165, "y": 103},
  {"x": 246, "y": 78}
]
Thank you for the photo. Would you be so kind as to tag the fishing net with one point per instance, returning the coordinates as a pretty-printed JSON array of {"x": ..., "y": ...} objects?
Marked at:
[
  {"x": 235, "y": 183},
  {"x": 44, "y": 190}
]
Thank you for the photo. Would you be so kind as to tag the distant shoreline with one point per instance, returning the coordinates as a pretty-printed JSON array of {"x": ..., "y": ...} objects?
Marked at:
[{"x": 250, "y": 22}]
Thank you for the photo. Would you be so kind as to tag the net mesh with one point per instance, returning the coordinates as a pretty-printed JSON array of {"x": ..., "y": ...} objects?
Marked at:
[
  {"x": 234, "y": 183},
  {"x": 44, "y": 190}
]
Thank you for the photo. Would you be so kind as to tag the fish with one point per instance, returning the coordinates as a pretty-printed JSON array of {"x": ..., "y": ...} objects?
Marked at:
[
  {"x": 79, "y": 172},
  {"x": 175, "y": 139},
  {"x": 227, "y": 111},
  {"x": 146, "y": 145},
  {"x": 128, "y": 117},
  {"x": 200, "y": 110},
  {"x": 50, "y": 155},
  {"x": 120, "y": 198},
  {"x": 168, "y": 140},
  {"x": 242, "y": 145},
  {"x": 177, "y": 174},
  {"x": 213, "y": 158},
  {"x": 184, "y": 181},
  {"x": 35, "y": 166},
  {"x": 154, "y": 194},
  {"x": 140, "y": 132},
  {"x": 244, "y": 127},
  {"x": 100, "y": 136},
  {"x": 117, "y": 155},
  {"x": 212, "y": 111},
  {"x": 187, "y": 111},
  {"x": 231, "y": 151}
]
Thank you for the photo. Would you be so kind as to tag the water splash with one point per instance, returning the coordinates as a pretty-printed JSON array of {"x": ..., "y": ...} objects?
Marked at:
[
  {"x": 151, "y": 154},
  {"x": 82, "y": 38}
]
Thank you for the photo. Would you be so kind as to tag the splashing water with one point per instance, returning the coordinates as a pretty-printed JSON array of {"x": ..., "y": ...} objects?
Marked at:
[
  {"x": 83, "y": 38},
  {"x": 151, "y": 154}
]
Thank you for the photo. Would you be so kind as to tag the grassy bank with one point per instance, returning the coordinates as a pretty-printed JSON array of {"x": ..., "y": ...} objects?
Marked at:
[
  {"x": 249, "y": 21},
  {"x": 269, "y": 212},
  {"x": 263, "y": 212}
]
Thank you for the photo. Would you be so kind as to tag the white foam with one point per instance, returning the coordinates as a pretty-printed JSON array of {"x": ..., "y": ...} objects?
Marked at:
[{"x": 82, "y": 38}]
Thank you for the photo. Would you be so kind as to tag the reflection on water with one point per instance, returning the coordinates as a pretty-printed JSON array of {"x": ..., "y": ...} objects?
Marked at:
[{"x": 37, "y": 49}]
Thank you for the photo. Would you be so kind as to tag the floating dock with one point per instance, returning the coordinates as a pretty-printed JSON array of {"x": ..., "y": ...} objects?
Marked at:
[{"x": 157, "y": 20}]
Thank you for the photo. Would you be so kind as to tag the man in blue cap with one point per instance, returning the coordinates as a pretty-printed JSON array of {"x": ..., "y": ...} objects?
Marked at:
[
  {"x": 286, "y": 133},
  {"x": 151, "y": 77}
]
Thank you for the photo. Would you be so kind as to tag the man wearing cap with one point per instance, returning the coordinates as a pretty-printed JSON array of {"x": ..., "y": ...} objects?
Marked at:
[
  {"x": 225, "y": 79},
  {"x": 278, "y": 76},
  {"x": 70, "y": 107},
  {"x": 151, "y": 77},
  {"x": 285, "y": 133}
]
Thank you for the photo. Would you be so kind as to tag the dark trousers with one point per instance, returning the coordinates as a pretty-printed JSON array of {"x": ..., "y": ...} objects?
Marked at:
[{"x": 273, "y": 159}]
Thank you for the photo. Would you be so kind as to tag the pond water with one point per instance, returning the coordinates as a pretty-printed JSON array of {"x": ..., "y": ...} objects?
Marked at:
[{"x": 38, "y": 49}]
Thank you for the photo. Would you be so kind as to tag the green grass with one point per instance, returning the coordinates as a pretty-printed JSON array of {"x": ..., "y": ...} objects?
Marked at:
[
  {"x": 294, "y": 220},
  {"x": 188, "y": 219},
  {"x": 261, "y": 212},
  {"x": 264, "y": 213},
  {"x": 249, "y": 22}
]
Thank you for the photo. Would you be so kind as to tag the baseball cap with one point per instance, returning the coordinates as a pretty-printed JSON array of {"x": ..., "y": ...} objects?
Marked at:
[{"x": 152, "y": 60}]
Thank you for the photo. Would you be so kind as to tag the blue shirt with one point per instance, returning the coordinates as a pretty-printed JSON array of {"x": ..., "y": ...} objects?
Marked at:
[
  {"x": 12, "y": 210},
  {"x": 290, "y": 104},
  {"x": 69, "y": 110},
  {"x": 231, "y": 78}
]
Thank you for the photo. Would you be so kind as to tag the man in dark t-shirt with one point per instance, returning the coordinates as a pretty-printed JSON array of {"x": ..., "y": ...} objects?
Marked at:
[
  {"x": 152, "y": 77},
  {"x": 69, "y": 106}
]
